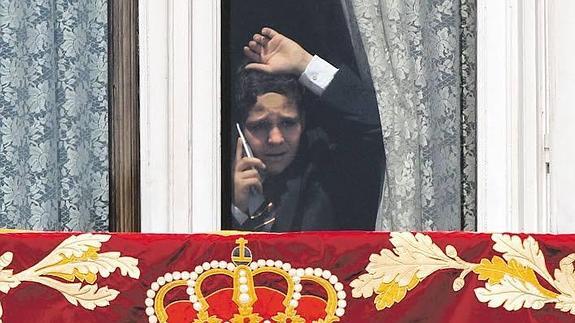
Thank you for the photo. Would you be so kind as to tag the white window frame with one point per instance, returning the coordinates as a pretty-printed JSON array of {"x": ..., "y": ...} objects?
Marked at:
[
  {"x": 180, "y": 115},
  {"x": 512, "y": 116},
  {"x": 561, "y": 71}
]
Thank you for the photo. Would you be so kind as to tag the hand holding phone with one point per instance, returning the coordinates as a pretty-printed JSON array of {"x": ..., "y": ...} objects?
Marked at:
[{"x": 248, "y": 195}]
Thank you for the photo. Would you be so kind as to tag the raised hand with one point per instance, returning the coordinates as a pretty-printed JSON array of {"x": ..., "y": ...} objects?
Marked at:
[{"x": 273, "y": 52}]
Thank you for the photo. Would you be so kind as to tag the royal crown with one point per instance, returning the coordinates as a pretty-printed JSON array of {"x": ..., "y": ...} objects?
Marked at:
[{"x": 284, "y": 294}]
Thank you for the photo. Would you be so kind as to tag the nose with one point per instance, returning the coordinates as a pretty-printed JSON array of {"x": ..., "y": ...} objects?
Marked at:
[{"x": 275, "y": 137}]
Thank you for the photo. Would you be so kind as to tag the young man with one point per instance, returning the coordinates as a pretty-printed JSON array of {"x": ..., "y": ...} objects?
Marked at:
[{"x": 317, "y": 178}]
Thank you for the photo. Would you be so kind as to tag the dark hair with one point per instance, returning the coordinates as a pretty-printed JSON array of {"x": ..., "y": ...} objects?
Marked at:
[{"x": 253, "y": 83}]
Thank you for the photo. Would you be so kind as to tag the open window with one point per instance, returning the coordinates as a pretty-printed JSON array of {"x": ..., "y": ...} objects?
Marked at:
[
  {"x": 345, "y": 164},
  {"x": 196, "y": 51}
]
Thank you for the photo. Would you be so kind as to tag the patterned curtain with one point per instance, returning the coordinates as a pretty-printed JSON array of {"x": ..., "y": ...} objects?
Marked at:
[
  {"x": 53, "y": 114},
  {"x": 420, "y": 55}
]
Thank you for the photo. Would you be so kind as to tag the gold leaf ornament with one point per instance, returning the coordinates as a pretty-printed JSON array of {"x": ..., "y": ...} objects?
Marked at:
[
  {"x": 251, "y": 318},
  {"x": 495, "y": 270},
  {"x": 364, "y": 286},
  {"x": 6, "y": 259},
  {"x": 512, "y": 293},
  {"x": 203, "y": 317},
  {"x": 87, "y": 296},
  {"x": 520, "y": 286},
  {"x": 75, "y": 258},
  {"x": 290, "y": 315},
  {"x": 419, "y": 253},
  {"x": 7, "y": 279},
  {"x": 391, "y": 293},
  {"x": 391, "y": 274},
  {"x": 513, "y": 280},
  {"x": 526, "y": 252},
  {"x": 412, "y": 256},
  {"x": 565, "y": 278},
  {"x": 79, "y": 258},
  {"x": 90, "y": 255}
]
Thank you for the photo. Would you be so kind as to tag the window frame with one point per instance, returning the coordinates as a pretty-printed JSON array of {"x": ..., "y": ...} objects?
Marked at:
[
  {"x": 123, "y": 120},
  {"x": 180, "y": 121}
]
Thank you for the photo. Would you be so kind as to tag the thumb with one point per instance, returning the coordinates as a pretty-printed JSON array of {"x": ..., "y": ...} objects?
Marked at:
[{"x": 259, "y": 67}]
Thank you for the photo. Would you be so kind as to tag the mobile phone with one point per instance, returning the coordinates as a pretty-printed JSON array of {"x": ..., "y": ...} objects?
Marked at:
[
  {"x": 247, "y": 148},
  {"x": 257, "y": 201}
]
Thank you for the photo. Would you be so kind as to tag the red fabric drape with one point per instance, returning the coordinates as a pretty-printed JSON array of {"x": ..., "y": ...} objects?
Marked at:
[{"x": 493, "y": 262}]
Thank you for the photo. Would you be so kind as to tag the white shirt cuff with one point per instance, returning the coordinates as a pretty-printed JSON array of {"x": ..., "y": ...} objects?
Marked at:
[
  {"x": 239, "y": 215},
  {"x": 317, "y": 75}
]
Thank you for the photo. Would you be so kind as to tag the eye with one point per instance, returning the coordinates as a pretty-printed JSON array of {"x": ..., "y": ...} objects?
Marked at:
[
  {"x": 288, "y": 123},
  {"x": 258, "y": 126}
]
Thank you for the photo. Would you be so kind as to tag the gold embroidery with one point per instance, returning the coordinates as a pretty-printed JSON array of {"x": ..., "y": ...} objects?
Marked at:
[
  {"x": 242, "y": 270},
  {"x": 331, "y": 297},
  {"x": 512, "y": 281},
  {"x": 201, "y": 278},
  {"x": 159, "y": 301},
  {"x": 204, "y": 318},
  {"x": 390, "y": 293},
  {"x": 89, "y": 277},
  {"x": 288, "y": 279},
  {"x": 289, "y": 315},
  {"x": 77, "y": 257},
  {"x": 494, "y": 271},
  {"x": 241, "y": 318}
]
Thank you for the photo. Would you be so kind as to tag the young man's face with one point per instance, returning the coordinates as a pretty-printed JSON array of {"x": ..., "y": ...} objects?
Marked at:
[{"x": 273, "y": 129}]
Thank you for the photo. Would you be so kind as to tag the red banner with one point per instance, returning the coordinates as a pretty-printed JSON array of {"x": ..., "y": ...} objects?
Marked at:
[{"x": 292, "y": 277}]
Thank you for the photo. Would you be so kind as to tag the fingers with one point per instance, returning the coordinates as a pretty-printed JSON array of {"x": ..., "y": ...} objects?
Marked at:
[
  {"x": 255, "y": 47},
  {"x": 247, "y": 163},
  {"x": 259, "y": 67},
  {"x": 257, "y": 43},
  {"x": 268, "y": 32},
  {"x": 239, "y": 149},
  {"x": 250, "y": 173},
  {"x": 262, "y": 40},
  {"x": 249, "y": 178},
  {"x": 255, "y": 183},
  {"x": 243, "y": 163},
  {"x": 252, "y": 56}
]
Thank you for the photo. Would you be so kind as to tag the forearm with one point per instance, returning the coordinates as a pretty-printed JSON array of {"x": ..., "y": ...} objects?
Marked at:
[
  {"x": 342, "y": 91},
  {"x": 353, "y": 99}
]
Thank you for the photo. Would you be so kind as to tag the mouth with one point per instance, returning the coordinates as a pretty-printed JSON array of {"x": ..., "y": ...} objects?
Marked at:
[{"x": 275, "y": 156}]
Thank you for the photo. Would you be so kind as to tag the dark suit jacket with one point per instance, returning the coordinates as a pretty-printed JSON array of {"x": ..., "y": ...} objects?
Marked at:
[{"x": 334, "y": 182}]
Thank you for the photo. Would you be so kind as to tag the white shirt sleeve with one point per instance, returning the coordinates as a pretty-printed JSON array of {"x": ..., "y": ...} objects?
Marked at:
[{"x": 317, "y": 75}]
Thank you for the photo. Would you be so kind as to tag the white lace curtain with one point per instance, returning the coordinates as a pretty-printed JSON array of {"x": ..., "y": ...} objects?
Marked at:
[
  {"x": 53, "y": 115},
  {"x": 420, "y": 56}
]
